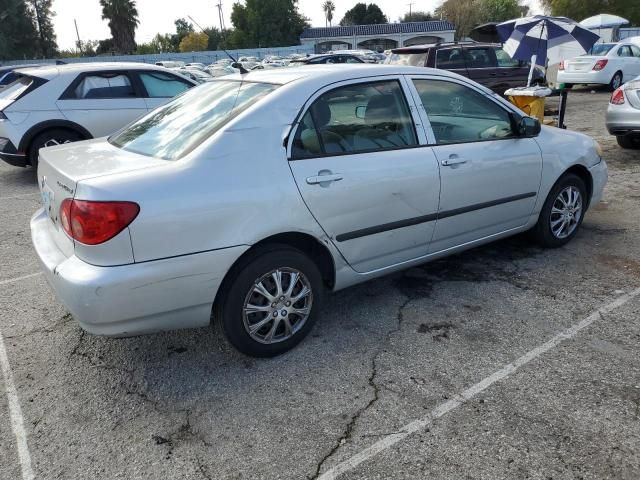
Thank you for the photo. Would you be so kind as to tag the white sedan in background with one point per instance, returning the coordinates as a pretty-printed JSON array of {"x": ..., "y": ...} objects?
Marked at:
[
  {"x": 609, "y": 64},
  {"x": 252, "y": 195}
]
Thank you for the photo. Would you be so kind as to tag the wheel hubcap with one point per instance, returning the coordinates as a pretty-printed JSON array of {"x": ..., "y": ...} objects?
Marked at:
[
  {"x": 616, "y": 81},
  {"x": 566, "y": 212},
  {"x": 53, "y": 142},
  {"x": 277, "y": 306}
]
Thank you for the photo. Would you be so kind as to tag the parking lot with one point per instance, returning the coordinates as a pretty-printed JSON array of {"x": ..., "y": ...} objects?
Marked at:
[{"x": 507, "y": 361}]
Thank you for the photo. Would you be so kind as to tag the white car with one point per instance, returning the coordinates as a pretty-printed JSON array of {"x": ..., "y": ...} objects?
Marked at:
[
  {"x": 609, "y": 64},
  {"x": 57, "y": 104},
  {"x": 252, "y": 195}
]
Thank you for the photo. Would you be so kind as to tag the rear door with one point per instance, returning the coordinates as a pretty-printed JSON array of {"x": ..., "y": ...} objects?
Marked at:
[
  {"x": 102, "y": 102},
  {"x": 482, "y": 66},
  {"x": 160, "y": 87},
  {"x": 364, "y": 171}
]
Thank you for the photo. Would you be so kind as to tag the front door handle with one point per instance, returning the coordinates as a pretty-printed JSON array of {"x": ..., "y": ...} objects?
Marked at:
[
  {"x": 453, "y": 160},
  {"x": 324, "y": 178}
]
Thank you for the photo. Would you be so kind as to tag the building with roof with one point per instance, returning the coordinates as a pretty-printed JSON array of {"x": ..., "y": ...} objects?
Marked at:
[{"x": 377, "y": 37}]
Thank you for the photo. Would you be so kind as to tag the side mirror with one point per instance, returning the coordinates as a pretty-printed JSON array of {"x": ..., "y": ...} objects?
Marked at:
[
  {"x": 529, "y": 127},
  {"x": 361, "y": 110},
  {"x": 236, "y": 65}
]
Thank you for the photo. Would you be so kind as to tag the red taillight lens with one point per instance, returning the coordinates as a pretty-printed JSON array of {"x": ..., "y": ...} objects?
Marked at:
[
  {"x": 93, "y": 223},
  {"x": 600, "y": 64},
  {"x": 561, "y": 66},
  {"x": 617, "y": 97}
]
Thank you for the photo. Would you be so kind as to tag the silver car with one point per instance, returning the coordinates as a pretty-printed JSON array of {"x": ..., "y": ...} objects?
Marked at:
[
  {"x": 253, "y": 195},
  {"x": 623, "y": 114}
]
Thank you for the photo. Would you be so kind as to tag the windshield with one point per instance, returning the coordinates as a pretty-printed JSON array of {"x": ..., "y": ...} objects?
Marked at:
[
  {"x": 172, "y": 131},
  {"x": 15, "y": 89},
  {"x": 413, "y": 59},
  {"x": 601, "y": 49}
]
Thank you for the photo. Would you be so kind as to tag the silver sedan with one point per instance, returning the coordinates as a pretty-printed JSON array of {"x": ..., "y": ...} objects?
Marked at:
[
  {"x": 623, "y": 114},
  {"x": 251, "y": 196}
]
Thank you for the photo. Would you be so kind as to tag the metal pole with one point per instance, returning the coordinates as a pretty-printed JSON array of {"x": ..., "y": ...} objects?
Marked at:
[{"x": 78, "y": 35}]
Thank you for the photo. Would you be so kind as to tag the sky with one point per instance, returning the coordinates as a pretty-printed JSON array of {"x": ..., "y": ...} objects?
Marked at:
[{"x": 157, "y": 16}]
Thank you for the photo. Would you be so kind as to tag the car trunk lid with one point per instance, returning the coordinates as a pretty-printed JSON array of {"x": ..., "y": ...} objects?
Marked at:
[
  {"x": 581, "y": 64},
  {"x": 62, "y": 168}
]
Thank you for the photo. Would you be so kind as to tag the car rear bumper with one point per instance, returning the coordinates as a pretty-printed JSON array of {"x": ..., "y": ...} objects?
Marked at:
[
  {"x": 623, "y": 119},
  {"x": 9, "y": 154},
  {"x": 595, "y": 77},
  {"x": 137, "y": 298}
]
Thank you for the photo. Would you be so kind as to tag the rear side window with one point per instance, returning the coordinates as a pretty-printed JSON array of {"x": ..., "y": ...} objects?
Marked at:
[
  {"x": 635, "y": 50},
  {"x": 14, "y": 90},
  {"x": 624, "y": 51},
  {"x": 482, "y": 57},
  {"x": 449, "y": 59},
  {"x": 162, "y": 85},
  {"x": 175, "y": 129},
  {"x": 94, "y": 87},
  {"x": 8, "y": 78},
  {"x": 356, "y": 118}
]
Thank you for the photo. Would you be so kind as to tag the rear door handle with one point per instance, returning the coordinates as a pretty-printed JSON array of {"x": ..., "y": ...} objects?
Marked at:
[
  {"x": 453, "y": 160},
  {"x": 324, "y": 179}
]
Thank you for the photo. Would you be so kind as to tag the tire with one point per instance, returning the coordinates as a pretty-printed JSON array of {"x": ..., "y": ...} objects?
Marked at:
[
  {"x": 49, "y": 138},
  {"x": 616, "y": 81},
  {"x": 568, "y": 86},
  {"x": 257, "y": 269},
  {"x": 629, "y": 141},
  {"x": 543, "y": 232}
]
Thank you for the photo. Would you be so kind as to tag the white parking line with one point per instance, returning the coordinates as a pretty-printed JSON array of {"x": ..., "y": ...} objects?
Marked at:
[
  {"x": 17, "y": 279},
  {"x": 15, "y": 414},
  {"x": 22, "y": 195},
  {"x": 444, "y": 408}
]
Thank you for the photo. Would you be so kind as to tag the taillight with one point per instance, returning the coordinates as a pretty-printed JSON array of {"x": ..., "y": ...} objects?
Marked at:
[
  {"x": 600, "y": 64},
  {"x": 92, "y": 222},
  {"x": 617, "y": 97},
  {"x": 561, "y": 66}
]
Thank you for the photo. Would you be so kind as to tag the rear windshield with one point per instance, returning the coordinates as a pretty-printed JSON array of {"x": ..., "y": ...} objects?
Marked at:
[
  {"x": 412, "y": 59},
  {"x": 8, "y": 78},
  {"x": 175, "y": 129},
  {"x": 15, "y": 89},
  {"x": 601, "y": 49}
]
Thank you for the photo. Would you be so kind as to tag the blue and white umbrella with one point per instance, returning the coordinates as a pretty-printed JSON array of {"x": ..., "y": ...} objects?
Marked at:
[{"x": 545, "y": 40}]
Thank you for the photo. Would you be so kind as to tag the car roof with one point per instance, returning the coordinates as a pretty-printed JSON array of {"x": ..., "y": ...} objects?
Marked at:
[
  {"x": 426, "y": 46},
  {"x": 50, "y": 71},
  {"x": 331, "y": 73}
]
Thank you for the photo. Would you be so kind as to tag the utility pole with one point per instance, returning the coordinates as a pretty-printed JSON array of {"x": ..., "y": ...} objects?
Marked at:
[
  {"x": 78, "y": 35},
  {"x": 221, "y": 16},
  {"x": 410, "y": 5}
]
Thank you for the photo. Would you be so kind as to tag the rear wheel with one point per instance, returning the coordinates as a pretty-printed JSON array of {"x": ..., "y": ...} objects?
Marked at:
[
  {"x": 562, "y": 212},
  {"x": 272, "y": 301},
  {"x": 629, "y": 141},
  {"x": 616, "y": 81},
  {"x": 50, "y": 138}
]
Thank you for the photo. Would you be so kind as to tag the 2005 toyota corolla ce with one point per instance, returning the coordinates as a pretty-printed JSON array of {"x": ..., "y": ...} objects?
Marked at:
[{"x": 249, "y": 197}]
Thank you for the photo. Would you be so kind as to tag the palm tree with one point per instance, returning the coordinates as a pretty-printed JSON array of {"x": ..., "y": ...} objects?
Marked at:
[
  {"x": 123, "y": 21},
  {"x": 328, "y": 7}
]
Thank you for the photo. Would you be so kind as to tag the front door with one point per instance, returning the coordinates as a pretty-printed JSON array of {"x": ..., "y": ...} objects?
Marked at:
[
  {"x": 365, "y": 174},
  {"x": 489, "y": 177},
  {"x": 102, "y": 102}
]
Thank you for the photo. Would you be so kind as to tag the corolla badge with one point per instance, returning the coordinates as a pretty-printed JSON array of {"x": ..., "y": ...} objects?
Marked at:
[{"x": 65, "y": 188}]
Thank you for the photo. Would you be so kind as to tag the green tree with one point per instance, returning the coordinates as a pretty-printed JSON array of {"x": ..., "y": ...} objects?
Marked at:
[
  {"x": 18, "y": 35},
  {"x": 123, "y": 21},
  {"x": 106, "y": 47},
  {"x": 328, "y": 7},
  {"x": 499, "y": 10},
  {"x": 194, "y": 42},
  {"x": 418, "y": 16},
  {"x": 464, "y": 14},
  {"x": 266, "y": 23},
  {"x": 363, "y": 14},
  {"x": 183, "y": 28},
  {"x": 578, "y": 11},
  {"x": 43, "y": 16}
]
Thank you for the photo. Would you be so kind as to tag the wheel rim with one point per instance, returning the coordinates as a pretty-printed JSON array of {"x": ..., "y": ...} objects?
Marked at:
[
  {"x": 616, "y": 81},
  {"x": 277, "y": 306},
  {"x": 566, "y": 212},
  {"x": 52, "y": 142}
]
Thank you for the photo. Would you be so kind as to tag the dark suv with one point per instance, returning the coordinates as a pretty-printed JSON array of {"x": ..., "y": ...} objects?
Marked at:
[{"x": 486, "y": 63}]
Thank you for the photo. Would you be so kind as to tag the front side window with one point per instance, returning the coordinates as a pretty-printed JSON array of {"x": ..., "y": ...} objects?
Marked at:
[
  {"x": 504, "y": 60},
  {"x": 162, "y": 85},
  {"x": 459, "y": 114},
  {"x": 356, "y": 118},
  {"x": 103, "y": 86},
  {"x": 172, "y": 131},
  {"x": 450, "y": 58}
]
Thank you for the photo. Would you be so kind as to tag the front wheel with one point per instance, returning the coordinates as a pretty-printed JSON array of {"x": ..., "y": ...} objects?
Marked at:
[
  {"x": 629, "y": 141},
  {"x": 272, "y": 301},
  {"x": 562, "y": 212}
]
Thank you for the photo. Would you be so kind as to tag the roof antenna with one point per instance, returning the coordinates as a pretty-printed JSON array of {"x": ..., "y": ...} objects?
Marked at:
[{"x": 235, "y": 64}]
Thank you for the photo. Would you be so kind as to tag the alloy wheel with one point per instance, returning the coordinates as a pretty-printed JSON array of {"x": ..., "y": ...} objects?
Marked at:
[
  {"x": 566, "y": 212},
  {"x": 277, "y": 306}
]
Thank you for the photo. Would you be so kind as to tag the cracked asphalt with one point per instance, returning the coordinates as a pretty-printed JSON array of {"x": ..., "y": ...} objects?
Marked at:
[{"x": 185, "y": 405}]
